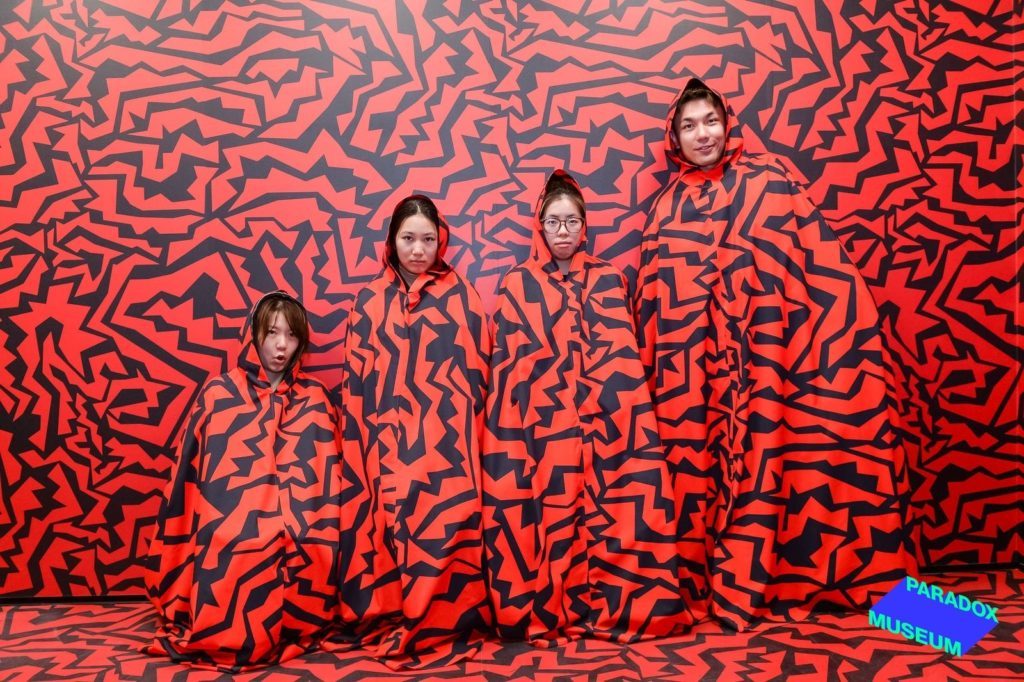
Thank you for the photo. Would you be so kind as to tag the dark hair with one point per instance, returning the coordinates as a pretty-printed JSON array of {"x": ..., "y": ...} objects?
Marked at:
[
  {"x": 561, "y": 184},
  {"x": 693, "y": 91},
  {"x": 417, "y": 204},
  {"x": 294, "y": 314}
]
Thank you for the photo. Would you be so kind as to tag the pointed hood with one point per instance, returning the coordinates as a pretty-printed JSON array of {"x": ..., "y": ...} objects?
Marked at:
[
  {"x": 249, "y": 356},
  {"x": 390, "y": 256},
  {"x": 733, "y": 133},
  {"x": 539, "y": 250}
]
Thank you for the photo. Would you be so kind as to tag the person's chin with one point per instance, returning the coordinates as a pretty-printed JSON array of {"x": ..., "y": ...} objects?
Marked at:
[{"x": 710, "y": 159}]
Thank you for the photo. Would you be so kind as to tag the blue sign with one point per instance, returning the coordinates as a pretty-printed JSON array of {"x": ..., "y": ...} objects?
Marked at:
[{"x": 929, "y": 615}]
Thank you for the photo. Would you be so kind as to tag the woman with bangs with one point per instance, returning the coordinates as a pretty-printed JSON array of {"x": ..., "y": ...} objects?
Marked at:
[{"x": 243, "y": 567}]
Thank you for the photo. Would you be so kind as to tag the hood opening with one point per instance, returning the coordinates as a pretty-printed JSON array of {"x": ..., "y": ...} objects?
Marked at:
[
  {"x": 558, "y": 184},
  {"x": 695, "y": 88}
]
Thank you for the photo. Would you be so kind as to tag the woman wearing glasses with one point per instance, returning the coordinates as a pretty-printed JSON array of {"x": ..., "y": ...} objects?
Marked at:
[{"x": 580, "y": 523}]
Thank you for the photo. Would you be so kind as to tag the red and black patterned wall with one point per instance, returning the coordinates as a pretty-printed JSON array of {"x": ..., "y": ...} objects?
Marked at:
[{"x": 165, "y": 161}]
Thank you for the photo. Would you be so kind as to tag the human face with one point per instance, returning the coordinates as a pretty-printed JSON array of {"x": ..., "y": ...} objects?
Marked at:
[
  {"x": 563, "y": 244},
  {"x": 416, "y": 244},
  {"x": 700, "y": 131},
  {"x": 277, "y": 348}
]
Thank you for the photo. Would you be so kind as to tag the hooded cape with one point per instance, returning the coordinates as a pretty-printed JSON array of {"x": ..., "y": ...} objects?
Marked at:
[
  {"x": 579, "y": 510},
  {"x": 415, "y": 378},
  {"x": 767, "y": 367},
  {"x": 243, "y": 566}
]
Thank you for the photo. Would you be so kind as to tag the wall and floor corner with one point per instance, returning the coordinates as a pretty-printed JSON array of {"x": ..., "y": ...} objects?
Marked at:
[{"x": 164, "y": 162}]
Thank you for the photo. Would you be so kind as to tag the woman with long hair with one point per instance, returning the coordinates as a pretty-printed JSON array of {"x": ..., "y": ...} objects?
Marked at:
[{"x": 415, "y": 378}]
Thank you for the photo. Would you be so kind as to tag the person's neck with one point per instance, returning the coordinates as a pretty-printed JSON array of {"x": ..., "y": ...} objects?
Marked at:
[
  {"x": 274, "y": 378},
  {"x": 407, "y": 277}
]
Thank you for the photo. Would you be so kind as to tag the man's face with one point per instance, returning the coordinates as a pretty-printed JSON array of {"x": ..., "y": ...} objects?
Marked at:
[{"x": 700, "y": 132}]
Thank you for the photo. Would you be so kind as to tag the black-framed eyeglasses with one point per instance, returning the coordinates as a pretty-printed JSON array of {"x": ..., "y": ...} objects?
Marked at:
[{"x": 573, "y": 224}]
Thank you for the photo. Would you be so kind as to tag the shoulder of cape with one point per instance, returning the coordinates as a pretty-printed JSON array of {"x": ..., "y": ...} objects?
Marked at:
[
  {"x": 471, "y": 293},
  {"x": 453, "y": 278},
  {"x": 219, "y": 386},
  {"x": 221, "y": 382},
  {"x": 371, "y": 290},
  {"x": 603, "y": 269},
  {"x": 767, "y": 163},
  {"x": 598, "y": 264},
  {"x": 308, "y": 382},
  {"x": 528, "y": 269},
  {"x": 511, "y": 285},
  {"x": 464, "y": 289},
  {"x": 313, "y": 388}
]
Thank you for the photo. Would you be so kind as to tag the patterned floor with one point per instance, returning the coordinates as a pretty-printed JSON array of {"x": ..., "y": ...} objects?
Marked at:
[{"x": 101, "y": 642}]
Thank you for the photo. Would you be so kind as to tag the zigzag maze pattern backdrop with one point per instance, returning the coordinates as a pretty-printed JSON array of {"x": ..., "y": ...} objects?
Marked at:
[{"x": 165, "y": 161}]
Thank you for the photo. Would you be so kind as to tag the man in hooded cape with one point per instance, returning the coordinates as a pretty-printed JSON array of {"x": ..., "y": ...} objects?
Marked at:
[
  {"x": 768, "y": 372},
  {"x": 579, "y": 510},
  {"x": 243, "y": 567},
  {"x": 413, "y": 395}
]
